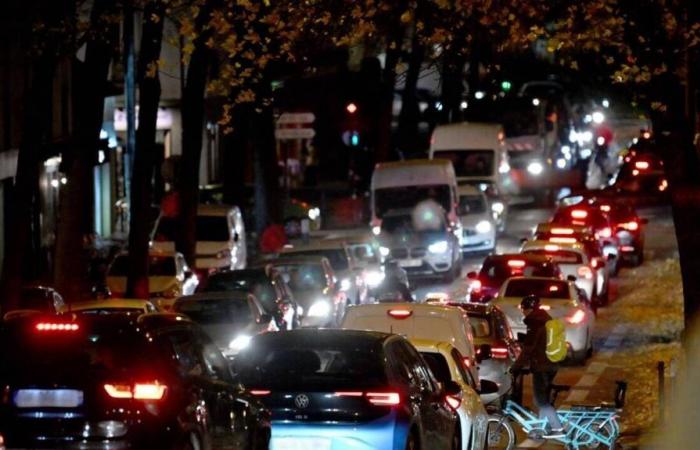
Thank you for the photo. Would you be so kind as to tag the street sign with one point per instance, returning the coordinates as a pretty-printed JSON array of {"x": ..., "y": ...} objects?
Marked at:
[
  {"x": 295, "y": 133},
  {"x": 287, "y": 118}
]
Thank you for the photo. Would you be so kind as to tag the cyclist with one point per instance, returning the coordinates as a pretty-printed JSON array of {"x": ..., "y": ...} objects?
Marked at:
[{"x": 534, "y": 358}]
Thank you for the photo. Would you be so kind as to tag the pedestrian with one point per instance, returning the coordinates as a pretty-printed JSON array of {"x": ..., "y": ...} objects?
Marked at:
[{"x": 536, "y": 357}]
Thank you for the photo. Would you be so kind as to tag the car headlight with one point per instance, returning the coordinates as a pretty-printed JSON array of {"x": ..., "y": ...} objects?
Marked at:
[
  {"x": 384, "y": 251},
  {"x": 314, "y": 213},
  {"x": 535, "y": 168},
  {"x": 498, "y": 207},
  {"x": 374, "y": 278},
  {"x": 345, "y": 284},
  {"x": 504, "y": 167},
  {"x": 483, "y": 227},
  {"x": 438, "y": 247},
  {"x": 320, "y": 308},
  {"x": 376, "y": 230},
  {"x": 239, "y": 343}
]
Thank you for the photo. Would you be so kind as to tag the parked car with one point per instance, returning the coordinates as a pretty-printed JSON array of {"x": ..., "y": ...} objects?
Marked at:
[
  {"x": 231, "y": 319},
  {"x": 37, "y": 298},
  {"x": 348, "y": 389},
  {"x": 266, "y": 284},
  {"x": 418, "y": 321},
  {"x": 561, "y": 300},
  {"x": 112, "y": 382},
  {"x": 478, "y": 226}
]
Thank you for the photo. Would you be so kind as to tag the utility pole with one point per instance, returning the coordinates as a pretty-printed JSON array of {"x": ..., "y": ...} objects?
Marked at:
[{"x": 129, "y": 94}]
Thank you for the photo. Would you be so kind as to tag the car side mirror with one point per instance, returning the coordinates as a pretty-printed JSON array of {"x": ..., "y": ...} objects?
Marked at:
[
  {"x": 472, "y": 275},
  {"x": 488, "y": 387},
  {"x": 483, "y": 353},
  {"x": 571, "y": 278},
  {"x": 521, "y": 337},
  {"x": 452, "y": 388}
]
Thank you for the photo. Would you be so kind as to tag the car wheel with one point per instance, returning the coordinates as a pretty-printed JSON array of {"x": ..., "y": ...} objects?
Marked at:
[{"x": 412, "y": 441}]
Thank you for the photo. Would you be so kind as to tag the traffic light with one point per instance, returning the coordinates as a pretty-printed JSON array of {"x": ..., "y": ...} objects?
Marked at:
[
  {"x": 354, "y": 139},
  {"x": 506, "y": 85}
]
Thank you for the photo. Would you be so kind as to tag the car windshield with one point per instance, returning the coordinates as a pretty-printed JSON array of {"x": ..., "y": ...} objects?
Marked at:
[
  {"x": 158, "y": 266},
  {"x": 303, "y": 277},
  {"x": 318, "y": 364},
  {"x": 364, "y": 253},
  {"x": 559, "y": 256},
  {"x": 472, "y": 204},
  {"x": 209, "y": 228},
  {"x": 394, "y": 224},
  {"x": 215, "y": 311},
  {"x": 495, "y": 272},
  {"x": 407, "y": 197},
  {"x": 336, "y": 256},
  {"x": 550, "y": 289},
  {"x": 469, "y": 163},
  {"x": 481, "y": 327},
  {"x": 253, "y": 282},
  {"x": 575, "y": 216}
]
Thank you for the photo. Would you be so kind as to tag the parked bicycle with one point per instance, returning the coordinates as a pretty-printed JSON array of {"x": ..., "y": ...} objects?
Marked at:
[{"x": 585, "y": 426}]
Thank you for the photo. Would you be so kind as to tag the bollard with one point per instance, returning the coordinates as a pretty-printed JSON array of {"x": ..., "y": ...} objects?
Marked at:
[{"x": 660, "y": 368}]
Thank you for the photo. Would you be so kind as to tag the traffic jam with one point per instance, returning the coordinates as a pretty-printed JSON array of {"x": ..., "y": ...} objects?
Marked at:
[{"x": 419, "y": 331}]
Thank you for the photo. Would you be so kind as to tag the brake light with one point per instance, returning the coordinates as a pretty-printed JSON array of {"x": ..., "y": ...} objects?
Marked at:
[
  {"x": 475, "y": 285},
  {"x": 641, "y": 165},
  {"x": 453, "y": 401},
  {"x": 139, "y": 391},
  {"x": 563, "y": 240},
  {"x": 605, "y": 208},
  {"x": 52, "y": 326},
  {"x": 384, "y": 398},
  {"x": 579, "y": 213},
  {"x": 585, "y": 272},
  {"x": 627, "y": 248},
  {"x": 400, "y": 313},
  {"x": 499, "y": 352},
  {"x": 516, "y": 263},
  {"x": 594, "y": 263},
  {"x": 562, "y": 231},
  {"x": 576, "y": 317},
  {"x": 349, "y": 394},
  {"x": 547, "y": 307},
  {"x": 605, "y": 232},
  {"x": 551, "y": 248},
  {"x": 630, "y": 226},
  {"x": 259, "y": 392}
]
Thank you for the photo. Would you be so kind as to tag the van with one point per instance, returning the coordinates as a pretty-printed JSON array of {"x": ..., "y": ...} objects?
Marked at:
[
  {"x": 418, "y": 321},
  {"x": 477, "y": 152},
  {"x": 221, "y": 241}
]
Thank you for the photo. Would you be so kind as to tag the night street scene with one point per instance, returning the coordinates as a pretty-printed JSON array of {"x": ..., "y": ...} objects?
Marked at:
[{"x": 349, "y": 224}]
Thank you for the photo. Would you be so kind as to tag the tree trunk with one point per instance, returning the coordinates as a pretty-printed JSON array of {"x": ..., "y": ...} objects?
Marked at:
[
  {"x": 410, "y": 114},
  {"x": 36, "y": 127},
  {"x": 76, "y": 196},
  {"x": 192, "y": 129},
  {"x": 235, "y": 158},
  {"x": 144, "y": 155},
  {"x": 268, "y": 197}
]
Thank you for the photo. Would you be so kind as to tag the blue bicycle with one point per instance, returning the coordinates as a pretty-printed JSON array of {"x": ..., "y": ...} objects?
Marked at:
[{"x": 586, "y": 427}]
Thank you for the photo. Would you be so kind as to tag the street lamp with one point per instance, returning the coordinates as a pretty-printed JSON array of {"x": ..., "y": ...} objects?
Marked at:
[{"x": 351, "y": 108}]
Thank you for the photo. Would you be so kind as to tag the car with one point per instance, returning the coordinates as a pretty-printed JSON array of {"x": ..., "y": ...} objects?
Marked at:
[
  {"x": 342, "y": 389},
  {"x": 169, "y": 277},
  {"x": 220, "y": 234},
  {"x": 447, "y": 364},
  {"x": 418, "y": 321},
  {"x": 116, "y": 382},
  {"x": 560, "y": 298},
  {"x": 231, "y": 318},
  {"x": 266, "y": 284},
  {"x": 342, "y": 260},
  {"x": 484, "y": 285},
  {"x": 628, "y": 227},
  {"x": 130, "y": 306},
  {"x": 424, "y": 252},
  {"x": 493, "y": 337},
  {"x": 574, "y": 262},
  {"x": 39, "y": 298},
  {"x": 643, "y": 176},
  {"x": 478, "y": 227},
  {"x": 586, "y": 215},
  {"x": 321, "y": 301}
]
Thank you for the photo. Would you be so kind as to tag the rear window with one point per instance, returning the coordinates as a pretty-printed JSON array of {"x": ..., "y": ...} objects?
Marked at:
[
  {"x": 551, "y": 289},
  {"x": 593, "y": 218},
  {"x": 107, "y": 311},
  {"x": 559, "y": 256},
  {"x": 469, "y": 163},
  {"x": 158, "y": 266},
  {"x": 472, "y": 204},
  {"x": 250, "y": 281},
  {"x": 313, "y": 365},
  {"x": 438, "y": 365},
  {"x": 481, "y": 327},
  {"x": 303, "y": 277},
  {"x": 218, "y": 311},
  {"x": 495, "y": 272},
  {"x": 337, "y": 257}
]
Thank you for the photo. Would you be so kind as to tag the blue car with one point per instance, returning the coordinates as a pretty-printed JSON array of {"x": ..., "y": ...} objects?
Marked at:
[{"x": 342, "y": 389}]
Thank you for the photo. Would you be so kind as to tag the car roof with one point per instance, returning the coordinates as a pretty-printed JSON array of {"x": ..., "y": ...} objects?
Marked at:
[
  {"x": 547, "y": 227},
  {"x": 468, "y": 189},
  {"x": 225, "y": 295},
  {"x": 110, "y": 303},
  {"x": 258, "y": 270},
  {"x": 419, "y": 309},
  {"x": 292, "y": 259},
  {"x": 315, "y": 245},
  {"x": 423, "y": 345},
  {"x": 540, "y": 245},
  {"x": 524, "y": 256},
  {"x": 481, "y": 309},
  {"x": 306, "y": 335}
]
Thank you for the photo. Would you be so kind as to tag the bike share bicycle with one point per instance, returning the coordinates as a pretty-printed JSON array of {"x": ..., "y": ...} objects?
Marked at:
[{"x": 586, "y": 426}]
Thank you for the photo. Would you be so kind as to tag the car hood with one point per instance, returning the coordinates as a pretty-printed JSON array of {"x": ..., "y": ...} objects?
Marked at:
[{"x": 471, "y": 220}]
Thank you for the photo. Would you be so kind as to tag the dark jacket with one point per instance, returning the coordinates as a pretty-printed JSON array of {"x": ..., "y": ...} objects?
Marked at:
[{"x": 534, "y": 354}]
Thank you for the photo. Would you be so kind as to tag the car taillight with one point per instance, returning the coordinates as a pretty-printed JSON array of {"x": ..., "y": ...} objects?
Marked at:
[
  {"x": 516, "y": 263},
  {"x": 641, "y": 165},
  {"x": 594, "y": 263},
  {"x": 499, "y": 352},
  {"x": 576, "y": 317},
  {"x": 563, "y": 240},
  {"x": 137, "y": 391},
  {"x": 400, "y": 313},
  {"x": 551, "y": 248},
  {"x": 564, "y": 231},
  {"x": 605, "y": 232},
  {"x": 585, "y": 272},
  {"x": 630, "y": 226},
  {"x": 383, "y": 398},
  {"x": 453, "y": 401},
  {"x": 54, "y": 326},
  {"x": 259, "y": 392},
  {"x": 579, "y": 213},
  {"x": 475, "y": 285},
  {"x": 627, "y": 248},
  {"x": 349, "y": 394},
  {"x": 605, "y": 208},
  {"x": 545, "y": 307}
]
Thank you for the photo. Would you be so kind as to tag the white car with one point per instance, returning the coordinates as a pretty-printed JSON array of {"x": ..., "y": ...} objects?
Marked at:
[
  {"x": 418, "y": 321},
  {"x": 561, "y": 300},
  {"x": 478, "y": 227},
  {"x": 446, "y": 363},
  {"x": 573, "y": 261}
]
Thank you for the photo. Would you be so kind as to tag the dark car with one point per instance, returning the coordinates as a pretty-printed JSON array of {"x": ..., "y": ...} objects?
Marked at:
[
  {"x": 38, "y": 298},
  {"x": 266, "y": 284},
  {"x": 484, "y": 285},
  {"x": 348, "y": 389},
  {"x": 156, "y": 382},
  {"x": 321, "y": 300},
  {"x": 628, "y": 227},
  {"x": 231, "y": 319}
]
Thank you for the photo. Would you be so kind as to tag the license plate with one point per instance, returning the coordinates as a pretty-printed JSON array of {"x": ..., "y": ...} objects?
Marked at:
[
  {"x": 299, "y": 443},
  {"x": 48, "y": 398},
  {"x": 410, "y": 262}
]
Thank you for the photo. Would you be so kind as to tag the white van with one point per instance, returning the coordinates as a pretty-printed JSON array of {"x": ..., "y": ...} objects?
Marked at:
[
  {"x": 477, "y": 151},
  {"x": 402, "y": 185},
  {"x": 221, "y": 242},
  {"x": 418, "y": 321}
]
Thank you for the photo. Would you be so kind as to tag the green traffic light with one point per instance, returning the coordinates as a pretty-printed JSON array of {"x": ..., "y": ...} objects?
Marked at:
[{"x": 506, "y": 85}]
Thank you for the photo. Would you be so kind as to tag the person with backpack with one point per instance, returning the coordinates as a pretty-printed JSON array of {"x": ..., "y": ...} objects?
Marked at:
[{"x": 543, "y": 348}]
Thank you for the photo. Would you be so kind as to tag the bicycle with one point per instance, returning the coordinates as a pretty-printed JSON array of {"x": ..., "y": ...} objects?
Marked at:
[{"x": 585, "y": 426}]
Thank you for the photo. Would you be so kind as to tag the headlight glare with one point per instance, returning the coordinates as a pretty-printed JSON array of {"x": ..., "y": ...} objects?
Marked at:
[
  {"x": 320, "y": 308},
  {"x": 438, "y": 247},
  {"x": 483, "y": 227}
]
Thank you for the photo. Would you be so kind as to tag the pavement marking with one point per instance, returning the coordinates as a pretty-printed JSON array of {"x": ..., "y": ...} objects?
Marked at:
[
  {"x": 596, "y": 367},
  {"x": 577, "y": 395},
  {"x": 530, "y": 443},
  {"x": 587, "y": 380}
]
